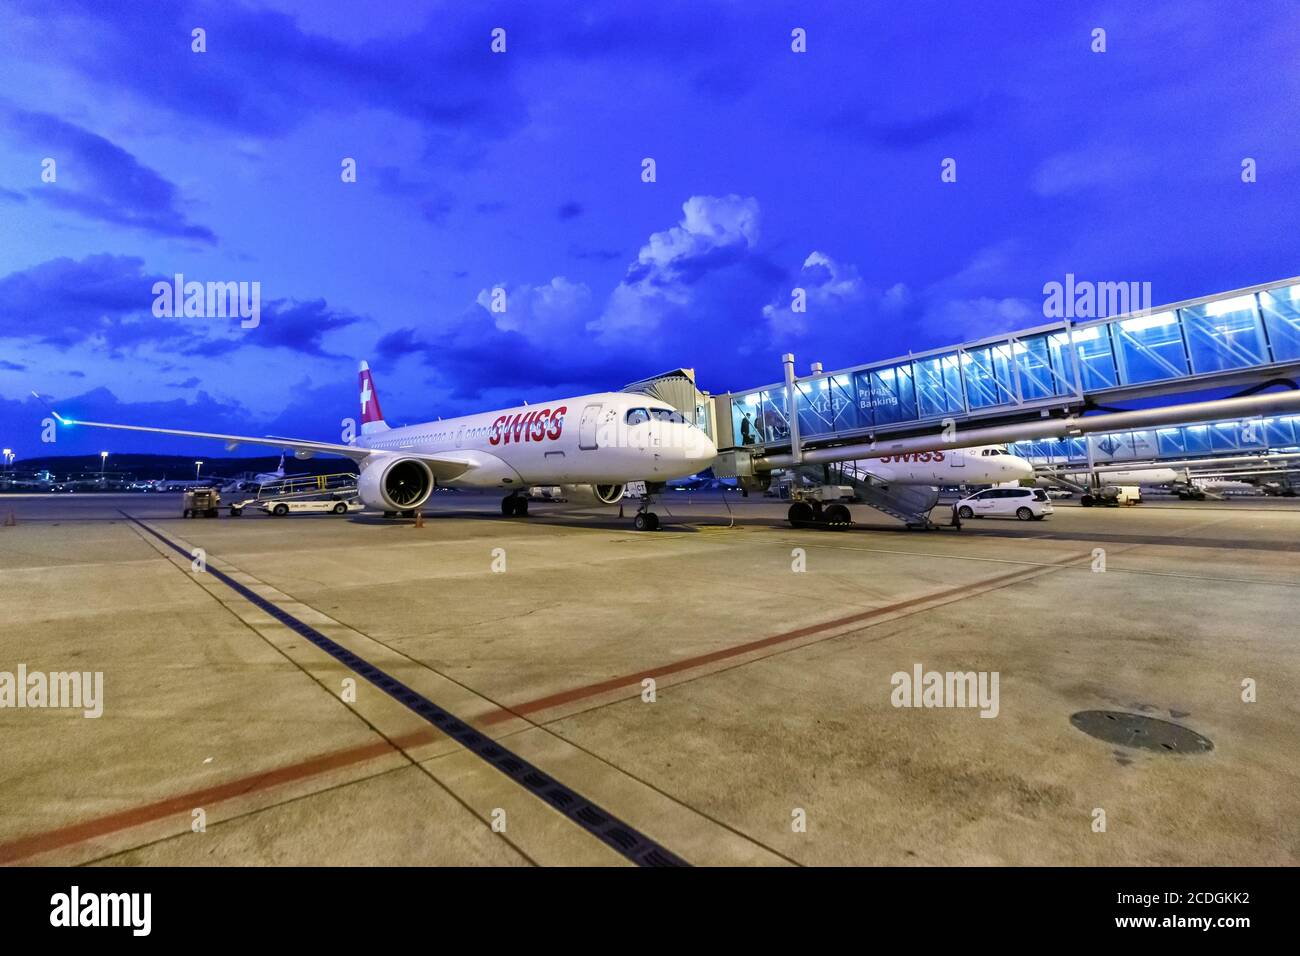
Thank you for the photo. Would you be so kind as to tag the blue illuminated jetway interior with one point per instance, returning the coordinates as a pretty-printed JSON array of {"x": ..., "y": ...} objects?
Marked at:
[
  {"x": 1244, "y": 336},
  {"x": 1280, "y": 434}
]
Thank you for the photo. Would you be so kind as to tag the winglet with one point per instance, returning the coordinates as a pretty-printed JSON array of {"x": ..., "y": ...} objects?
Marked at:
[{"x": 59, "y": 418}]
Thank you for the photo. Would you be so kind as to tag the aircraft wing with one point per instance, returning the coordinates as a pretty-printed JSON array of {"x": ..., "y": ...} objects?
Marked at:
[{"x": 443, "y": 468}]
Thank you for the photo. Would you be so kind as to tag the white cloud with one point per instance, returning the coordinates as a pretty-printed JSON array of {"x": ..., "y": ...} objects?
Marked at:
[
  {"x": 539, "y": 311},
  {"x": 829, "y": 288},
  {"x": 714, "y": 232}
]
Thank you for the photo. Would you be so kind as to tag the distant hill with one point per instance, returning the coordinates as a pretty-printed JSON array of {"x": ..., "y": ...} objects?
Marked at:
[{"x": 176, "y": 467}]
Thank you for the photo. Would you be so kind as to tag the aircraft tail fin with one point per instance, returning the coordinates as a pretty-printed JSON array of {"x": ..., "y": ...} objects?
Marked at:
[{"x": 372, "y": 419}]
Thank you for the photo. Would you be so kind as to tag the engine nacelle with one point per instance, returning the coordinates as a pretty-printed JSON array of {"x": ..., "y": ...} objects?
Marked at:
[
  {"x": 587, "y": 495},
  {"x": 393, "y": 483}
]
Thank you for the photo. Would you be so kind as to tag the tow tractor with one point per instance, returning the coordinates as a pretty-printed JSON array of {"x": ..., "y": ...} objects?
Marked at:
[
  {"x": 201, "y": 501},
  {"x": 1111, "y": 496}
]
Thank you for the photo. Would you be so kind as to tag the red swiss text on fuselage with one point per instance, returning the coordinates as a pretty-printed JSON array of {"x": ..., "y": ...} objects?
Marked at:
[
  {"x": 917, "y": 456},
  {"x": 541, "y": 425}
]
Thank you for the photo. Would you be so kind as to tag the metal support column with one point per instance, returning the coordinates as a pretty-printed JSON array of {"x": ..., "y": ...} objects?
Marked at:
[{"x": 792, "y": 408}]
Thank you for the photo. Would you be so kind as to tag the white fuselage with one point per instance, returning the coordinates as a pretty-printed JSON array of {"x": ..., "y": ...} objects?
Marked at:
[
  {"x": 987, "y": 465},
  {"x": 590, "y": 438},
  {"x": 1130, "y": 476}
]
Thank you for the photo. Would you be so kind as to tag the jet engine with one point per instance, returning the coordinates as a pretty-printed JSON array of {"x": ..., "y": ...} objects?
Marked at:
[
  {"x": 395, "y": 484},
  {"x": 587, "y": 495}
]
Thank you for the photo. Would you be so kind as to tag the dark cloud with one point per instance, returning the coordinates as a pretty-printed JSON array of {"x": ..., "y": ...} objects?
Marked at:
[
  {"x": 569, "y": 210},
  {"x": 98, "y": 179},
  {"x": 284, "y": 324},
  {"x": 106, "y": 299},
  {"x": 436, "y": 211},
  {"x": 8, "y": 366},
  {"x": 892, "y": 133},
  {"x": 392, "y": 181},
  {"x": 65, "y": 302},
  {"x": 191, "y": 382},
  {"x": 300, "y": 326},
  {"x": 597, "y": 255},
  {"x": 262, "y": 74},
  {"x": 475, "y": 357}
]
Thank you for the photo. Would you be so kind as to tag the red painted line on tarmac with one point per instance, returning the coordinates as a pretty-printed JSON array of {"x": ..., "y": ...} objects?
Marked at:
[
  {"x": 49, "y": 840},
  {"x": 738, "y": 650},
  {"x": 184, "y": 803}
]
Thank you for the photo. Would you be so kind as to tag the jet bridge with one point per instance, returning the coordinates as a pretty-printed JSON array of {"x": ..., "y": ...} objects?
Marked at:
[{"x": 1055, "y": 382}]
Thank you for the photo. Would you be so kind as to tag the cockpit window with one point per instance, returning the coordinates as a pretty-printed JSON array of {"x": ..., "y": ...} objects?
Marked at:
[
  {"x": 667, "y": 415},
  {"x": 637, "y": 416},
  {"x": 992, "y": 451}
]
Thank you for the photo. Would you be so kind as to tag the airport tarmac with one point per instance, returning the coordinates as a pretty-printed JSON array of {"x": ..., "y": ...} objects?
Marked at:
[{"x": 562, "y": 690}]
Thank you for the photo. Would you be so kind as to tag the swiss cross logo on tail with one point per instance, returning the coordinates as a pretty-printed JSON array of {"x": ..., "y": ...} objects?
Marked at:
[{"x": 370, "y": 414}]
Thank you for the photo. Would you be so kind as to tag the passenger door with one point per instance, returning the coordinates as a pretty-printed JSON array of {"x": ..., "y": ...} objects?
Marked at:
[{"x": 587, "y": 427}]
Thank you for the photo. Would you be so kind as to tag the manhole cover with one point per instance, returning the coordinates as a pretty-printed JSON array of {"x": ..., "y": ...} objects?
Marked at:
[{"x": 1135, "y": 730}]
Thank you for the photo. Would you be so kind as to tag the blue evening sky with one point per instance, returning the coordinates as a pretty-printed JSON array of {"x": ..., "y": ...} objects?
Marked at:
[{"x": 522, "y": 171}]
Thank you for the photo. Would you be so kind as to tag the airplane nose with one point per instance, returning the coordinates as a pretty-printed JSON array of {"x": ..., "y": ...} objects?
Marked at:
[
  {"x": 1023, "y": 468},
  {"x": 701, "y": 451}
]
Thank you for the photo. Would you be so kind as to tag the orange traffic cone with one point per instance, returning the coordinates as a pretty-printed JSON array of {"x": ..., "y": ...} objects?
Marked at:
[{"x": 419, "y": 519}]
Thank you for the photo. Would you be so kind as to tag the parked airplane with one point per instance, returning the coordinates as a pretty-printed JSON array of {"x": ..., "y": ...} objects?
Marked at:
[
  {"x": 981, "y": 465},
  {"x": 590, "y": 445},
  {"x": 262, "y": 477},
  {"x": 869, "y": 478},
  {"x": 259, "y": 479},
  {"x": 1142, "y": 476}
]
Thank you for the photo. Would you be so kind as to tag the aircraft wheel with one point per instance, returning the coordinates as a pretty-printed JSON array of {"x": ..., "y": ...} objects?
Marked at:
[
  {"x": 340, "y": 509},
  {"x": 838, "y": 514},
  {"x": 521, "y": 507},
  {"x": 645, "y": 521},
  {"x": 965, "y": 512},
  {"x": 801, "y": 514},
  {"x": 1024, "y": 514},
  {"x": 236, "y": 512},
  {"x": 280, "y": 510}
]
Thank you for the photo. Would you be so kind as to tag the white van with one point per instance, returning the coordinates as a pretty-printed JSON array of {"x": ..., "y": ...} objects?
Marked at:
[{"x": 1022, "y": 503}]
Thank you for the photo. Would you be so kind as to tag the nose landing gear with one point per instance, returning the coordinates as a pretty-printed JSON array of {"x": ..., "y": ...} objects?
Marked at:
[
  {"x": 645, "y": 519},
  {"x": 514, "y": 505}
]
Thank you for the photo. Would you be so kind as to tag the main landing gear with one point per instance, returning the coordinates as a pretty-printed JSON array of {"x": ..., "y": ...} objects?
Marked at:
[
  {"x": 514, "y": 505},
  {"x": 808, "y": 514}
]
